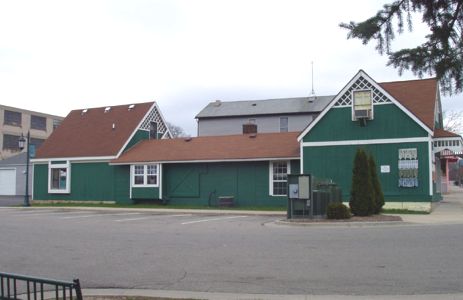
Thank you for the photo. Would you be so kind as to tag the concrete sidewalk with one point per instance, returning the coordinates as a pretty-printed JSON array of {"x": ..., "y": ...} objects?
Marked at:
[
  {"x": 448, "y": 211},
  {"x": 101, "y": 293}
]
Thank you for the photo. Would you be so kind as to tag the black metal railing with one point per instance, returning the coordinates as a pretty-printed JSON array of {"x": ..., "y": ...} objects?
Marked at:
[{"x": 13, "y": 286}]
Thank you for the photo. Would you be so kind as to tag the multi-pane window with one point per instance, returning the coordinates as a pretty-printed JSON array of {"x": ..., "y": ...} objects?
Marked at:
[
  {"x": 283, "y": 124},
  {"x": 145, "y": 175},
  {"x": 59, "y": 180},
  {"x": 10, "y": 142},
  {"x": 279, "y": 178},
  {"x": 38, "y": 122},
  {"x": 152, "y": 174},
  {"x": 12, "y": 118},
  {"x": 139, "y": 175}
]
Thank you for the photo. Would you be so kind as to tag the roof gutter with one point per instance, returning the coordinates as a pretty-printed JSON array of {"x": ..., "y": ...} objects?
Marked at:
[{"x": 203, "y": 160}]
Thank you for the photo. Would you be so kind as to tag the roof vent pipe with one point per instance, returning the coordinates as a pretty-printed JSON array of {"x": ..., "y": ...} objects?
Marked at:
[{"x": 217, "y": 103}]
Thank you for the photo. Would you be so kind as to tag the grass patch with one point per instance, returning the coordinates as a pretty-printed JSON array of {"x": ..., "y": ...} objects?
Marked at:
[
  {"x": 159, "y": 206},
  {"x": 403, "y": 211}
]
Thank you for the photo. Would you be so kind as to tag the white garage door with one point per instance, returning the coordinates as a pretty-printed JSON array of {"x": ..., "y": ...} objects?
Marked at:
[{"x": 7, "y": 182}]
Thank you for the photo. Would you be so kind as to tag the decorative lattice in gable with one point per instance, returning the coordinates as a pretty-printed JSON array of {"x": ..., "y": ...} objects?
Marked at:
[
  {"x": 362, "y": 84},
  {"x": 154, "y": 116}
]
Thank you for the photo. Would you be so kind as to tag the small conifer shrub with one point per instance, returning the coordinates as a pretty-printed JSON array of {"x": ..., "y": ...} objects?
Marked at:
[
  {"x": 362, "y": 201},
  {"x": 337, "y": 211}
]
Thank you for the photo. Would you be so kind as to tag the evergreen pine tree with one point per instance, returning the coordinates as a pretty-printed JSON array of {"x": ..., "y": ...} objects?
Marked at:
[
  {"x": 362, "y": 194},
  {"x": 378, "y": 192},
  {"x": 440, "y": 53}
]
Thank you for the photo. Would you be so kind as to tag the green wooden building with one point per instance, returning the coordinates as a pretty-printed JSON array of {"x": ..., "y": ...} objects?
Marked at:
[
  {"x": 395, "y": 122},
  {"x": 125, "y": 154},
  {"x": 73, "y": 163}
]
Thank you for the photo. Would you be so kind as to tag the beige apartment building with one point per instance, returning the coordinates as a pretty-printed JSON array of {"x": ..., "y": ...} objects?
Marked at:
[{"x": 16, "y": 121}]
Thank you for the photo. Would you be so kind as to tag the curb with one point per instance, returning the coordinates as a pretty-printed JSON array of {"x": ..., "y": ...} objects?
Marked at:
[
  {"x": 339, "y": 224},
  {"x": 168, "y": 210},
  {"x": 102, "y": 293}
]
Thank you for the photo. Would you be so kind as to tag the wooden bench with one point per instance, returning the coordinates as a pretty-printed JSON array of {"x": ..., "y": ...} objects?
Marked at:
[{"x": 226, "y": 201}]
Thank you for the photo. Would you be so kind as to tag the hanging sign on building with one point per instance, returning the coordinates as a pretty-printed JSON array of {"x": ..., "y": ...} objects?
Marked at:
[{"x": 408, "y": 167}]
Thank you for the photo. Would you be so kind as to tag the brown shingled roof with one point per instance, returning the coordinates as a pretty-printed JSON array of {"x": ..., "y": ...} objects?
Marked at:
[
  {"x": 418, "y": 96},
  {"x": 91, "y": 133},
  {"x": 213, "y": 148},
  {"x": 441, "y": 133}
]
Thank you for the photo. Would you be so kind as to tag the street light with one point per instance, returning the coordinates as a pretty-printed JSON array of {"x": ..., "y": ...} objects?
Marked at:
[{"x": 23, "y": 142}]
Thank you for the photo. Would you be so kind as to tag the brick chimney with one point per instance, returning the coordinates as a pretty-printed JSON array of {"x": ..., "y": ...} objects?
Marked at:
[{"x": 249, "y": 128}]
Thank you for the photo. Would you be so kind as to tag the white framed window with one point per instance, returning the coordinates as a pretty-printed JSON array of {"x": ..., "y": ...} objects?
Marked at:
[
  {"x": 145, "y": 175},
  {"x": 59, "y": 177},
  {"x": 278, "y": 181},
  {"x": 284, "y": 124},
  {"x": 362, "y": 107}
]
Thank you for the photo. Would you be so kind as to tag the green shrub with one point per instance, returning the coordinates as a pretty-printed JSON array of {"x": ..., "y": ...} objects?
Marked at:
[
  {"x": 362, "y": 202},
  {"x": 378, "y": 192},
  {"x": 337, "y": 210}
]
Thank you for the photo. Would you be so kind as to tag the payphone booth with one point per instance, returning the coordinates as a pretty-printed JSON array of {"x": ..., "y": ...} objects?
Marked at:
[{"x": 300, "y": 196}]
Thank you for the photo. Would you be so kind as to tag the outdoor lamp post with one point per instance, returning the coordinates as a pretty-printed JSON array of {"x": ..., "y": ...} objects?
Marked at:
[{"x": 24, "y": 142}]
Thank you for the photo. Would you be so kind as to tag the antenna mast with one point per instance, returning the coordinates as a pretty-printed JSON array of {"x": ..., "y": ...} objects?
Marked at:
[{"x": 312, "y": 96}]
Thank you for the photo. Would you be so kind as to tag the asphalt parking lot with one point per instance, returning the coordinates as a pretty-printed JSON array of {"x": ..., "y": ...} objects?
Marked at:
[{"x": 229, "y": 253}]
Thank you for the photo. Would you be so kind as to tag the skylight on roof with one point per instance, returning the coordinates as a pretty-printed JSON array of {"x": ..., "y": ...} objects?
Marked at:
[
  {"x": 107, "y": 109},
  {"x": 84, "y": 111},
  {"x": 131, "y": 106}
]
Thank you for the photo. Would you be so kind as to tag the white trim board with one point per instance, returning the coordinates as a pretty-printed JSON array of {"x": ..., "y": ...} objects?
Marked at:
[
  {"x": 348, "y": 85},
  {"x": 204, "y": 161},
  {"x": 430, "y": 154},
  {"x": 366, "y": 142},
  {"x": 75, "y": 159}
]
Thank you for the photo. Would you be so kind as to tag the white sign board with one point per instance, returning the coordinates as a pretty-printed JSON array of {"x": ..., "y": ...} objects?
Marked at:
[{"x": 386, "y": 169}]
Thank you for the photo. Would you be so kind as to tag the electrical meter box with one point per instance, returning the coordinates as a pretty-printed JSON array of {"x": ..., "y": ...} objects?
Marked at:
[
  {"x": 300, "y": 186},
  {"x": 299, "y": 195},
  {"x": 304, "y": 187}
]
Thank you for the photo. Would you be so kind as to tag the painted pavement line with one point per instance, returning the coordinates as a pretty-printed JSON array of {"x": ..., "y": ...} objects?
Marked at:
[
  {"x": 99, "y": 215},
  {"x": 47, "y": 213},
  {"x": 215, "y": 219},
  {"x": 31, "y": 212},
  {"x": 151, "y": 217},
  {"x": 133, "y": 219}
]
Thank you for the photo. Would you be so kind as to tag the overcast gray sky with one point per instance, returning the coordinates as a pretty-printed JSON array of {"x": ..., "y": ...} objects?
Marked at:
[{"x": 56, "y": 56}]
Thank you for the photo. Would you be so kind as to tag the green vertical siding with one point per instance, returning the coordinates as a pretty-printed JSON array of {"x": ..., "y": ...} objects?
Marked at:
[
  {"x": 247, "y": 182},
  {"x": 145, "y": 193},
  {"x": 89, "y": 182},
  {"x": 336, "y": 162},
  {"x": 389, "y": 122},
  {"x": 138, "y": 136}
]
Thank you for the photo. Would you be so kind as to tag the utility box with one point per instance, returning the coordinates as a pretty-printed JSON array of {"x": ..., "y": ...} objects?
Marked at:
[
  {"x": 299, "y": 196},
  {"x": 308, "y": 197}
]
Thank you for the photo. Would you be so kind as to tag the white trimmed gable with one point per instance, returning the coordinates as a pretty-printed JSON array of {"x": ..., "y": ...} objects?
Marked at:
[
  {"x": 361, "y": 84},
  {"x": 154, "y": 115},
  {"x": 362, "y": 81}
]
